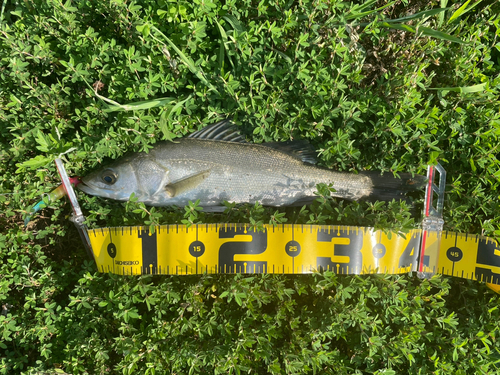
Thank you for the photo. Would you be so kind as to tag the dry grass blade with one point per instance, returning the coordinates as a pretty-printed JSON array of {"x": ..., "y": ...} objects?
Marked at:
[
  {"x": 136, "y": 106},
  {"x": 464, "y": 90}
]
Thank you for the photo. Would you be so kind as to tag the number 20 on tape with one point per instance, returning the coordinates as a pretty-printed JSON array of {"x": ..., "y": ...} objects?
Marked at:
[
  {"x": 285, "y": 249},
  {"x": 176, "y": 249}
]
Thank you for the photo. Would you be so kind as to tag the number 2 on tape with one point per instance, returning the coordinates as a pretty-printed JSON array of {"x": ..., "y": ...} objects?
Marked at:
[{"x": 226, "y": 248}]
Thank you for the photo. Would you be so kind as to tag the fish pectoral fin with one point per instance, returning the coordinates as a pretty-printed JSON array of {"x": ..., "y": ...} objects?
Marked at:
[{"x": 186, "y": 183}]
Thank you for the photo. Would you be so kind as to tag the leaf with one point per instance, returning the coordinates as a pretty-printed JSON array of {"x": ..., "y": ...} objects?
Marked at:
[
  {"x": 284, "y": 55},
  {"x": 474, "y": 88},
  {"x": 40, "y": 139},
  {"x": 439, "y": 35},
  {"x": 223, "y": 45},
  {"x": 235, "y": 23},
  {"x": 186, "y": 60},
  {"x": 34, "y": 163},
  {"x": 166, "y": 116},
  {"x": 363, "y": 14},
  {"x": 133, "y": 314},
  {"x": 460, "y": 11},
  {"x": 222, "y": 31},
  {"x": 144, "y": 29},
  {"x": 425, "y": 13},
  {"x": 398, "y": 26},
  {"x": 463, "y": 90},
  {"x": 359, "y": 8},
  {"x": 443, "y": 4}
]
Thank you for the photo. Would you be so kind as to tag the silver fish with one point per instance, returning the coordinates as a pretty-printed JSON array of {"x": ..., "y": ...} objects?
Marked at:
[{"x": 215, "y": 165}]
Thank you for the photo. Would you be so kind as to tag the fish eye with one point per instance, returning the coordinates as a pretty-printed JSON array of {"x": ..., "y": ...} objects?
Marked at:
[{"x": 109, "y": 176}]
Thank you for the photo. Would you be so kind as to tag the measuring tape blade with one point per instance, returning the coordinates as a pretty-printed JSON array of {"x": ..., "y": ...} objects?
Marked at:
[
  {"x": 235, "y": 248},
  {"x": 286, "y": 249},
  {"x": 471, "y": 257}
]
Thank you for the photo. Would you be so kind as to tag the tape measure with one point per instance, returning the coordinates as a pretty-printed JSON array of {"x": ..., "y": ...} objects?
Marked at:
[
  {"x": 293, "y": 249},
  {"x": 287, "y": 249}
]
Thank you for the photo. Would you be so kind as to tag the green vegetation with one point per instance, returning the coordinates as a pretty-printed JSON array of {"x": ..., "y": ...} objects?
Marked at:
[{"x": 386, "y": 85}]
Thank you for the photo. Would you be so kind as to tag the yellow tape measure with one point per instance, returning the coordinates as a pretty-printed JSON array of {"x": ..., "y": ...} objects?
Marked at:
[
  {"x": 292, "y": 249},
  {"x": 287, "y": 249}
]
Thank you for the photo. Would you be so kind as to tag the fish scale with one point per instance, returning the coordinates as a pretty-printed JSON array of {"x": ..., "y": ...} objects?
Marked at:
[
  {"x": 211, "y": 166},
  {"x": 261, "y": 180}
]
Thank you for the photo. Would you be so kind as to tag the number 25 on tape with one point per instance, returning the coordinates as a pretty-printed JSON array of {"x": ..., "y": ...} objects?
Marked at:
[{"x": 176, "y": 249}]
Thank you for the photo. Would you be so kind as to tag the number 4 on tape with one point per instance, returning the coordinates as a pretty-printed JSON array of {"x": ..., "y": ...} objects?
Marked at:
[
  {"x": 286, "y": 249},
  {"x": 290, "y": 249}
]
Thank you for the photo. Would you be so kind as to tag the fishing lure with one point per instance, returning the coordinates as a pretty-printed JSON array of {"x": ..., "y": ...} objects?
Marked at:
[{"x": 53, "y": 196}]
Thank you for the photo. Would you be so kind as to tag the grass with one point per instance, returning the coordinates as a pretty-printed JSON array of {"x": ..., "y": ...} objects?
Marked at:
[{"x": 374, "y": 85}]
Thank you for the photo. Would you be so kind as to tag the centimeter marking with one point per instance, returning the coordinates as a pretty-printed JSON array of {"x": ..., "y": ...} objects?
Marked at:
[{"x": 287, "y": 249}]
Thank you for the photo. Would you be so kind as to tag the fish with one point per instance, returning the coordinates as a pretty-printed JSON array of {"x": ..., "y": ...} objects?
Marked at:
[{"x": 216, "y": 164}]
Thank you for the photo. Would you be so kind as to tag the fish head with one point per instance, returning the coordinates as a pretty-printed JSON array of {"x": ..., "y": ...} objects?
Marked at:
[
  {"x": 140, "y": 174},
  {"x": 116, "y": 181}
]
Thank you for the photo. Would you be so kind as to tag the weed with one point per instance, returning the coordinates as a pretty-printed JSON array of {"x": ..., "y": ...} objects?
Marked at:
[{"x": 376, "y": 85}]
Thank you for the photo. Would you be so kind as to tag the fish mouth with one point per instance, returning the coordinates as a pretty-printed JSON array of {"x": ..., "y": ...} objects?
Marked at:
[
  {"x": 87, "y": 188},
  {"x": 101, "y": 191}
]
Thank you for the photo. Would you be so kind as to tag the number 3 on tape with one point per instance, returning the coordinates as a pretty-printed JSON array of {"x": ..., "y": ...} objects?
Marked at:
[
  {"x": 225, "y": 248},
  {"x": 286, "y": 249}
]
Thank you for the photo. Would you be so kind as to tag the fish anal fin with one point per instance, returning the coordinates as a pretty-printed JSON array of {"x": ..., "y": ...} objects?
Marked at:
[{"x": 186, "y": 183}]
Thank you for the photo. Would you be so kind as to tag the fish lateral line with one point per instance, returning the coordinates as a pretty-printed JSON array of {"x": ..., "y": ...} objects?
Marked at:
[{"x": 215, "y": 165}]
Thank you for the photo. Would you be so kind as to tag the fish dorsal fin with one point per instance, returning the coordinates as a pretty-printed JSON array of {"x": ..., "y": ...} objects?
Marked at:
[
  {"x": 227, "y": 131},
  {"x": 301, "y": 150},
  {"x": 186, "y": 183},
  {"x": 224, "y": 130}
]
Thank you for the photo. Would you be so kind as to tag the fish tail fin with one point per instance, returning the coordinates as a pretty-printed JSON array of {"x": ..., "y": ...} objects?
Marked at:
[{"x": 387, "y": 187}]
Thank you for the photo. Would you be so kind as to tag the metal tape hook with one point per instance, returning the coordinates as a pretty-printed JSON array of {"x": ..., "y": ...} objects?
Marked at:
[
  {"x": 77, "y": 218},
  {"x": 432, "y": 224}
]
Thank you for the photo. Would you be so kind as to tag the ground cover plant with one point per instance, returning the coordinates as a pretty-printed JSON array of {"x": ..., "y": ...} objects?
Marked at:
[{"x": 374, "y": 85}]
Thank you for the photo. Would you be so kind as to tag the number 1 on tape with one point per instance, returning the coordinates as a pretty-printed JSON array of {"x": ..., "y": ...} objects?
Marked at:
[
  {"x": 236, "y": 248},
  {"x": 232, "y": 248}
]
